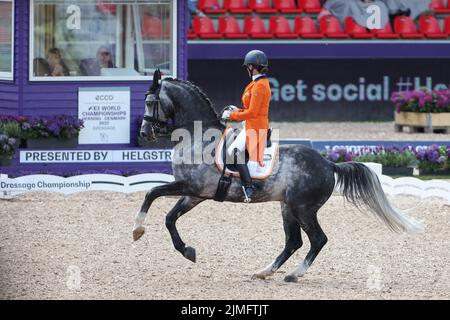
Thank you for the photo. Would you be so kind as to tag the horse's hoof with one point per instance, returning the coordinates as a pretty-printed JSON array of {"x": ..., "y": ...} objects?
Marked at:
[
  {"x": 138, "y": 233},
  {"x": 258, "y": 276},
  {"x": 189, "y": 253},
  {"x": 291, "y": 278}
]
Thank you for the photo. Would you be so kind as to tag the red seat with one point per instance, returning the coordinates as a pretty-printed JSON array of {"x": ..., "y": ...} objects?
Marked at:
[
  {"x": 286, "y": 6},
  {"x": 306, "y": 28},
  {"x": 385, "y": 33},
  {"x": 152, "y": 27},
  {"x": 429, "y": 26},
  {"x": 280, "y": 27},
  {"x": 255, "y": 28},
  {"x": 106, "y": 8},
  {"x": 404, "y": 26},
  {"x": 261, "y": 6},
  {"x": 191, "y": 34},
  {"x": 439, "y": 6},
  {"x": 447, "y": 25},
  {"x": 355, "y": 30},
  {"x": 210, "y": 6},
  {"x": 229, "y": 27},
  {"x": 310, "y": 6},
  {"x": 204, "y": 28},
  {"x": 331, "y": 27},
  {"x": 236, "y": 6}
]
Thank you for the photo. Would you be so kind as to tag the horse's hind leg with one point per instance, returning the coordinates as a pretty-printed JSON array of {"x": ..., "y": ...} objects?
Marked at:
[
  {"x": 175, "y": 188},
  {"x": 293, "y": 243},
  {"x": 317, "y": 238},
  {"x": 183, "y": 205}
]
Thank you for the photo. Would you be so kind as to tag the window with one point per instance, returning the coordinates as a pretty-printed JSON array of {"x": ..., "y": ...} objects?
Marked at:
[
  {"x": 6, "y": 39},
  {"x": 102, "y": 39}
]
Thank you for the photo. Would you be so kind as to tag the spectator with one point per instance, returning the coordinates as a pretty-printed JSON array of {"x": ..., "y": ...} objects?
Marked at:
[
  {"x": 56, "y": 67},
  {"x": 192, "y": 11},
  {"x": 92, "y": 67},
  {"x": 341, "y": 9},
  {"x": 412, "y": 8}
]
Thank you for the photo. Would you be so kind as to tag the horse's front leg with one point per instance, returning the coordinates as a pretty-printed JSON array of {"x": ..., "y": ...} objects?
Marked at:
[
  {"x": 183, "y": 205},
  {"x": 176, "y": 188}
]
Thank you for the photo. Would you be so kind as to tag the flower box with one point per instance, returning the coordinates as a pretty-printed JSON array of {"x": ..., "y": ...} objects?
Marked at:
[
  {"x": 428, "y": 121},
  {"x": 5, "y": 161},
  {"x": 52, "y": 143},
  {"x": 440, "y": 172},
  {"x": 397, "y": 171}
]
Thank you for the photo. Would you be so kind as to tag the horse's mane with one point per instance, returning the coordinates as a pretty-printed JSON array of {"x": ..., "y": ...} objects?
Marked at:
[{"x": 195, "y": 89}]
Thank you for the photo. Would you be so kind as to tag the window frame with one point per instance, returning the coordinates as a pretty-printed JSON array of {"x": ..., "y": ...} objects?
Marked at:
[
  {"x": 5, "y": 75},
  {"x": 32, "y": 78}
]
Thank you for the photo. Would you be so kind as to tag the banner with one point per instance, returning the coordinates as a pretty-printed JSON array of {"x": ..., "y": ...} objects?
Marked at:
[
  {"x": 324, "y": 89},
  {"x": 106, "y": 115},
  {"x": 92, "y": 156}
]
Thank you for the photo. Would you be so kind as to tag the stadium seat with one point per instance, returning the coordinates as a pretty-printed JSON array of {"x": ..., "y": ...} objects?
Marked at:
[
  {"x": 404, "y": 26},
  {"x": 229, "y": 27},
  {"x": 236, "y": 6},
  {"x": 355, "y": 30},
  {"x": 310, "y": 6},
  {"x": 204, "y": 28},
  {"x": 385, "y": 33},
  {"x": 429, "y": 26},
  {"x": 447, "y": 25},
  {"x": 210, "y": 6},
  {"x": 261, "y": 6},
  {"x": 255, "y": 28},
  {"x": 306, "y": 28},
  {"x": 287, "y": 6},
  {"x": 191, "y": 34},
  {"x": 439, "y": 6},
  {"x": 331, "y": 28},
  {"x": 279, "y": 26},
  {"x": 152, "y": 27}
]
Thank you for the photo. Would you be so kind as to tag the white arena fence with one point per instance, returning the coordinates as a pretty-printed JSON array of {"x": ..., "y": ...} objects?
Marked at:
[{"x": 10, "y": 187}]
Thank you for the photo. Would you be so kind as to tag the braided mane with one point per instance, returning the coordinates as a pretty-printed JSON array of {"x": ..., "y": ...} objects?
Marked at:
[{"x": 195, "y": 89}]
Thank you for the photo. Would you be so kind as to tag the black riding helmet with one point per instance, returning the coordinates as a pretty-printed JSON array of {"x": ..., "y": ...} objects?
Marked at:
[{"x": 256, "y": 58}]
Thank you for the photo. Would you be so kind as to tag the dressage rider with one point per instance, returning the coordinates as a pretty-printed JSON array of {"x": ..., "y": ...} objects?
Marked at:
[{"x": 255, "y": 113}]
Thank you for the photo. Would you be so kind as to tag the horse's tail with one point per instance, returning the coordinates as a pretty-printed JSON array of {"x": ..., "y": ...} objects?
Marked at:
[{"x": 360, "y": 185}]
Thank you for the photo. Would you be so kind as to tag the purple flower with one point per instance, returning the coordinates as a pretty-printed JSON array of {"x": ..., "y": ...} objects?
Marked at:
[{"x": 3, "y": 138}]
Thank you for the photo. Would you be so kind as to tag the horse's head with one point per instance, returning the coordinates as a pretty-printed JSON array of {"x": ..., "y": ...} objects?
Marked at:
[{"x": 156, "y": 117}]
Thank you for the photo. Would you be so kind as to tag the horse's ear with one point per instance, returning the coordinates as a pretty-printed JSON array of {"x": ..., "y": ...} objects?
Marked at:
[{"x": 155, "y": 83}]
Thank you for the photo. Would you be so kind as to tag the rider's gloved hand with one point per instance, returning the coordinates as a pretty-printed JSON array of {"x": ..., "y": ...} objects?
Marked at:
[
  {"x": 231, "y": 108},
  {"x": 226, "y": 115}
]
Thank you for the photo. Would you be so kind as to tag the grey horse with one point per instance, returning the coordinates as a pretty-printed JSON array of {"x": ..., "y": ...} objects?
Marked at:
[{"x": 302, "y": 180}]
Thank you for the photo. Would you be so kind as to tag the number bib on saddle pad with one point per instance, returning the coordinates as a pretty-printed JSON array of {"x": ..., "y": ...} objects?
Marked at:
[{"x": 256, "y": 171}]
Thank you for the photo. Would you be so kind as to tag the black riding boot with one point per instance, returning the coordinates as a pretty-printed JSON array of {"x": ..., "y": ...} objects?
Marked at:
[{"x": 247, "y": 184}]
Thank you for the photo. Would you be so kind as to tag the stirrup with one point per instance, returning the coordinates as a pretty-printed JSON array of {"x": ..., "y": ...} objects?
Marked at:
[{"x": 247, "y": 199}]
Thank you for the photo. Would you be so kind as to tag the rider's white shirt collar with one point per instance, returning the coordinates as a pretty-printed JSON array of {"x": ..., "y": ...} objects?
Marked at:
[{"x": 256, "y": 76}]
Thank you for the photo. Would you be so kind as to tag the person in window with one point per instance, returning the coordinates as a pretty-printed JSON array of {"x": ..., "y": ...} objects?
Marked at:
[
  {"x": 56, "y": 67},
  {"x": 193, "y": 11},
  {"x": 411, "y": 8},
  {"x": 93, "y": 67},
  {"x": 357, "y": 9},
  {"x": 255, "y": 113}
]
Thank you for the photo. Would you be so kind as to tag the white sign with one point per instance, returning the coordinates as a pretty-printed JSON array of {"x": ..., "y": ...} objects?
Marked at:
[
  {"x": 106, "y": 115},
  {"x": 92, "y": 156},
  {"x": 88, "y": 182}
]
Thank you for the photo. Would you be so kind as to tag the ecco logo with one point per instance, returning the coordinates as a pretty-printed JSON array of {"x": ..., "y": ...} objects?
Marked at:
[{"x": 104, "y": 97}]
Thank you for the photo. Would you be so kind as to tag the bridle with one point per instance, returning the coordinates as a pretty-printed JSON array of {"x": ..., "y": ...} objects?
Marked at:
[{"x": 158, "y": 126}]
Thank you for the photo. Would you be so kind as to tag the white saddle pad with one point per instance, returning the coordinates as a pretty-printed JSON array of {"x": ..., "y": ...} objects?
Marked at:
[{"x": 256, "y": 171}]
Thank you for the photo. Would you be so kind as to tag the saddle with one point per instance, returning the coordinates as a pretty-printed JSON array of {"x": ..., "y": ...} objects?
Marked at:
[{"x": 256, "y": 171}]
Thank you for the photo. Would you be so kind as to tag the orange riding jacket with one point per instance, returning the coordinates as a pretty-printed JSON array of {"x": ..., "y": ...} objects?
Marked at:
[{"x": 255, "y": 112}]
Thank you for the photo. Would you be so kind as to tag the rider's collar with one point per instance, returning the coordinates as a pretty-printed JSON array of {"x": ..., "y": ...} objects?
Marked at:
[{"x": 257, "y": 76}]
